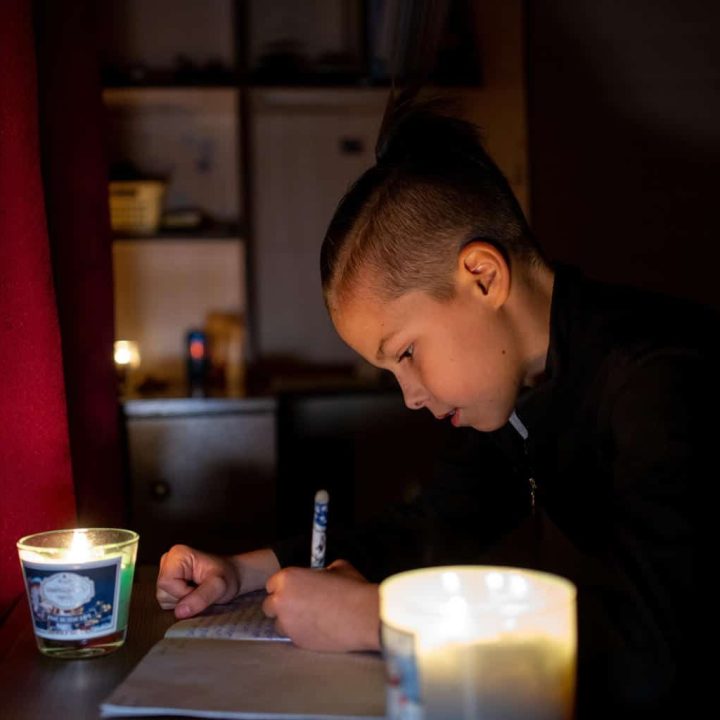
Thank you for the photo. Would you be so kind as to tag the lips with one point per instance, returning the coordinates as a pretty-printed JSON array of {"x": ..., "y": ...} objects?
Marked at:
[{"x": 450, "y": 414}]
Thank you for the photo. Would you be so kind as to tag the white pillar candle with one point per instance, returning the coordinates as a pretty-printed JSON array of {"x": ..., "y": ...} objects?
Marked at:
[{"x": 479, "y": 642}]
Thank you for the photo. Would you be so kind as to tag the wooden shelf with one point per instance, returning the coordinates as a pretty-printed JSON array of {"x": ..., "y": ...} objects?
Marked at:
[
  {"x": 170, "y": 85},
  {"x": 219, "y": 231}
]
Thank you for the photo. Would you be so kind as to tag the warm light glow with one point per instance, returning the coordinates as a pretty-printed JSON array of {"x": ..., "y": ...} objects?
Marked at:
[
  {"x": 453, "y": 623},
  {"x": 494, "y": 581},
  {"x": 80, "y": 547},
  {"x": 126, "y": 353},
  {"x": 498, "y": 638},
  {"x": 451, "y": 582}
]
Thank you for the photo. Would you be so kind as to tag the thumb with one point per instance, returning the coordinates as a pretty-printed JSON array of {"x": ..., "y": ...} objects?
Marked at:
[
  {"x": 344, "y": 568},
  {"x": 205, "y": 594}
]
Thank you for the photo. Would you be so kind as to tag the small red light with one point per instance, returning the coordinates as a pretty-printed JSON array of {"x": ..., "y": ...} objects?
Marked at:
[{"x": 197, "y": 349}]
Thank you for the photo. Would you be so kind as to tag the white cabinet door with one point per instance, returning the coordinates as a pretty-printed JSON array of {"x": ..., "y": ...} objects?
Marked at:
[{"x": 309, "y": 146}]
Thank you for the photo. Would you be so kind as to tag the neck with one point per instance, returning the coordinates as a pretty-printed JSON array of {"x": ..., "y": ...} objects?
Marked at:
[{"x": 532, "y": 299}]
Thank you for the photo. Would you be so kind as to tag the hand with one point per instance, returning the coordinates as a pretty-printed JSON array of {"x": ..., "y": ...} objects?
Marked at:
[
  {"x": 189, "y": 580},
  {"x": 335, "y": 609}
]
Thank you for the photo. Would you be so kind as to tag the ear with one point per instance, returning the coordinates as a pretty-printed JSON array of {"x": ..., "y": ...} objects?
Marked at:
[{"x": 483, "y": 270}]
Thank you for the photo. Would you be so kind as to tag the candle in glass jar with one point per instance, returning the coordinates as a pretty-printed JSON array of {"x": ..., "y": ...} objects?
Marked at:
[
  {"x": 479, "y": 642},
  {"x": 79, "y": 584}
]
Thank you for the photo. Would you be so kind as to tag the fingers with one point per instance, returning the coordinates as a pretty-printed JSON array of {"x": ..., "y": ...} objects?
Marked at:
[
  {"x": 171, "y": 590},
  {"x": 174, "y": 573},
  {"x": 273, "y": 604},
  {"x": 340, "y": 566},
  {"x": 190, "y": 580},
  {"x": 176, "y": 564},
  {"x": 329, "y": 610},
  {"x": 279, "y": 629},
  {"x": 276, "y": 581},
  {"x": 344, "y": 568},
  {"x": 268, "y": 606},
  {"x": 166, "y": 600},
  {"x": 205, "y": 594},
  {"x": 277, "y": 586}
]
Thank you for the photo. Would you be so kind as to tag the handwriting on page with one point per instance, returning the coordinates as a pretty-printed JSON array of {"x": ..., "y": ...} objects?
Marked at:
[{"x": 242, "y": 619}]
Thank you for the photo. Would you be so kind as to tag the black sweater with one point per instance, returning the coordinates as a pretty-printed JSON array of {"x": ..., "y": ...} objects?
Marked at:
[{"x": 620, "y": 432}]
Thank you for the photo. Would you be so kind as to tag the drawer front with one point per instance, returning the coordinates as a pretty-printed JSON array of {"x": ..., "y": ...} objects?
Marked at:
[{"x": 206, "y": 481}]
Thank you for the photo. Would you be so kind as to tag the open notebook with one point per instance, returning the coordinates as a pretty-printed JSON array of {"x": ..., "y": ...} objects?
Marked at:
[{"x": 230, "y": 663}]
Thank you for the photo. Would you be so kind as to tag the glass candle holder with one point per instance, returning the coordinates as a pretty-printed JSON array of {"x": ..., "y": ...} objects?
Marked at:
[
  {"x": 472, "y": 642},
  {"x": 78, "y": 585}
]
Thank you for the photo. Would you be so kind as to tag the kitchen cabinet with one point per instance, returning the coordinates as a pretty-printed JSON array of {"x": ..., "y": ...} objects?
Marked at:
[{"x": 202, "y": 472}]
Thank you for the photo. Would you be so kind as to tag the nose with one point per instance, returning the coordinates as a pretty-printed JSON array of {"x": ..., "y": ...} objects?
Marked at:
[{"x": 413, "y": 394}]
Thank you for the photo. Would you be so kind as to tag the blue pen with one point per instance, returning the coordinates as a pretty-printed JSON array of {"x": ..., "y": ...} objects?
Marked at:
[{"x": 319, "y": 530}]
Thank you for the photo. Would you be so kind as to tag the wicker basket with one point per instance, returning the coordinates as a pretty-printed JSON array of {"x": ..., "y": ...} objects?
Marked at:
[{"x": 136, "y": 206}]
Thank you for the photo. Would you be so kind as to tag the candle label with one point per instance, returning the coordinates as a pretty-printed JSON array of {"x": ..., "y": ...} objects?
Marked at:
[
  {"x": 402, "y": 677},
  {"x": 76, "y": 601}
]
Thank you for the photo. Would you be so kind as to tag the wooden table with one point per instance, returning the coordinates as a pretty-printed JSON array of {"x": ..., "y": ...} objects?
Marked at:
[{"x": 34, "y": 686}]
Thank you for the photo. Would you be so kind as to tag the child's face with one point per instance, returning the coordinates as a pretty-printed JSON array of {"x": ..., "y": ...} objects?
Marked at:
[{"x": 458, "y": 356}]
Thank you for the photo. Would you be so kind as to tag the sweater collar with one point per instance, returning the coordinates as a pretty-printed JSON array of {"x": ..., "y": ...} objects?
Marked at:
[{"x": 564, "y": 305}]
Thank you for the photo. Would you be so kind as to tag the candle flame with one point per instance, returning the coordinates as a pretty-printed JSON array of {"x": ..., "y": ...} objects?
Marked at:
[
  {"x": 80, "y": 548},
  {"x": 126, "y": 353}
]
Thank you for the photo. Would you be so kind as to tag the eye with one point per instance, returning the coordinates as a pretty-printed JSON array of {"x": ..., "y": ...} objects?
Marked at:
[{"x": 407, "y": 353}]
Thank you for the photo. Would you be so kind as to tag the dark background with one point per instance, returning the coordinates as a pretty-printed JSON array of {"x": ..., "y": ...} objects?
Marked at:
[{"x": 624, "y": 138}]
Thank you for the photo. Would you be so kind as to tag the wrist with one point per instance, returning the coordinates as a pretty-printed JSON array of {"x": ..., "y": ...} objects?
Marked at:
[
  {"x": 252, "y": 569},
  {"x": 370, "y": 605}
]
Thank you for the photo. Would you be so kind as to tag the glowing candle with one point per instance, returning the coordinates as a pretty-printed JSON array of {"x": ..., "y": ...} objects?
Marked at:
[
  {"x": 126, "y": 353},
  {"x": 79, "y": 584},
  {"x": 479, "y": 642},
  {"x": 80, "y": 548}
]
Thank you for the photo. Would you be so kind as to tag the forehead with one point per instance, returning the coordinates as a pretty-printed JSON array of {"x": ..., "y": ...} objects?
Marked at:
[
  {"x": 364, "y": 319},
  {"x": 360, "y": 313}
]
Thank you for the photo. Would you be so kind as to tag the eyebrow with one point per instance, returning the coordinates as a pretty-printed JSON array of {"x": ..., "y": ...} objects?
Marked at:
[{"x": 381, "y": 348}]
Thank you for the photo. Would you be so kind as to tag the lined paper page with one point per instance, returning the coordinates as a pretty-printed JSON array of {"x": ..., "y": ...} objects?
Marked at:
[
  {"x": 242, "y": 619},
  {"x": 250, "y": 680}
]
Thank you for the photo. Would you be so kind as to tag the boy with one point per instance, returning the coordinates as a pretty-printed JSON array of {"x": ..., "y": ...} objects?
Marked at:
[{"x": 589, "y": 401}]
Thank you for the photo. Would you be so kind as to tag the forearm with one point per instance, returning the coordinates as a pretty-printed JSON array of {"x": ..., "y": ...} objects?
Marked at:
[{"x": 254, "y": 568}]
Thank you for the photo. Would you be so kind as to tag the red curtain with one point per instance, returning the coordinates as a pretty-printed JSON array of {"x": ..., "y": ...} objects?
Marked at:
[
  {"x": 51, "y": 287},
  {"x": 72, "y": 131},
  {"x": 37, "y": 490}
]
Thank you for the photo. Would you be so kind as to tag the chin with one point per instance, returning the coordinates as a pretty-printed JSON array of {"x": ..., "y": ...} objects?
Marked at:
[
  {"x": 491, "y": 424},
  {"x": 487, "y": 426}
]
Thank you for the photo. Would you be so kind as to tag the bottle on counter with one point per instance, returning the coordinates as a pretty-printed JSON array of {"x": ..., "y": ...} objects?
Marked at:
[{"x": 197, "y": 360}]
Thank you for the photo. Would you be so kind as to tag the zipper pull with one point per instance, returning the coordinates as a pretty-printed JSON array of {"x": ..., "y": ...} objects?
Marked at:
[
  {"x": 522, "y": 431},
  {"x": 533, "y": 490}
]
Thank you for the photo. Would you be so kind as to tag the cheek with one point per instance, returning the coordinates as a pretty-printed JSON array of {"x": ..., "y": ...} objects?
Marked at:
[
  {"x": 452, "y": 374},
  {"x": 492, "y": 375}
]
